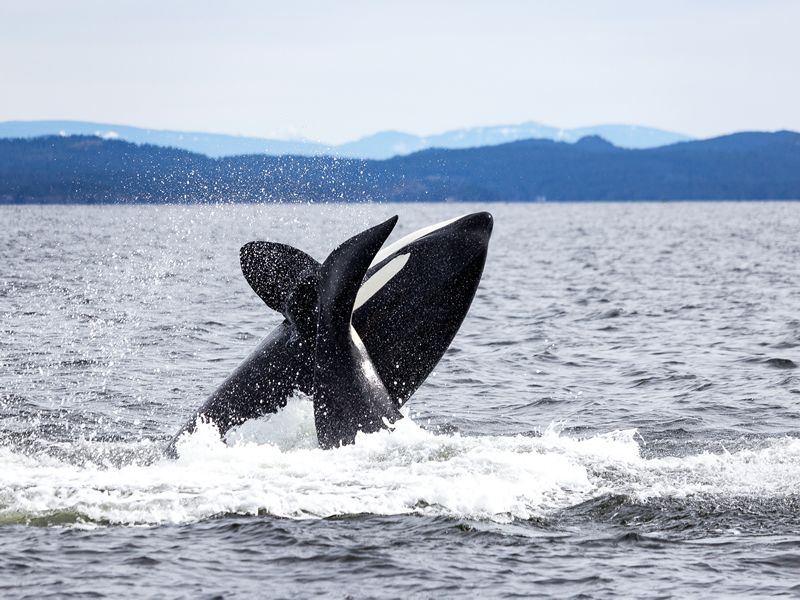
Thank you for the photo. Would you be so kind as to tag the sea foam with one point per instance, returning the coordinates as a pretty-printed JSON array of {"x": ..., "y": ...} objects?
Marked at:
[{"x": 273, "y": 466}]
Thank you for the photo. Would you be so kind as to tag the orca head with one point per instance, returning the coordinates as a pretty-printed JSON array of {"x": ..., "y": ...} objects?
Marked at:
[
  {"x": 427, "y": 259},
  {"x": 415, "y": 296},
  {"x": 430, "y": 261}
]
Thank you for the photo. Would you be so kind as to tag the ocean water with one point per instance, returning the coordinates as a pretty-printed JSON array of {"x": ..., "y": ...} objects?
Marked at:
[{"x": 618, "y": 417}]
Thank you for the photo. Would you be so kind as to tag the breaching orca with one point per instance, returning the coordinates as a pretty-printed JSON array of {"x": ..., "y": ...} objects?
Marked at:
[{"x": 361, "y": 331}]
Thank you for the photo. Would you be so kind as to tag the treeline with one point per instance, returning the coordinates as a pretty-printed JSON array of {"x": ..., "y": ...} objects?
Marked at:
[{"x": 741, "y": 166}]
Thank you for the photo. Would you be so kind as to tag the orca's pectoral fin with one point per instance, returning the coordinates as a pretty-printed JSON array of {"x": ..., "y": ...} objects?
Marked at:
[
  {"x": 274, "y": 271},
  {"x": 348, "y": 394}
]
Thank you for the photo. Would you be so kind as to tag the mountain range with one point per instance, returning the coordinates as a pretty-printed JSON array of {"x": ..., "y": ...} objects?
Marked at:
[
  {"x": 377, "y": 146},
  {"x": 742, "y": 166}
]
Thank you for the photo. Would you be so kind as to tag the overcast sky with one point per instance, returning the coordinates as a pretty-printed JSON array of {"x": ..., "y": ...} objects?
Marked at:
[{"x": 335, "y": 70}]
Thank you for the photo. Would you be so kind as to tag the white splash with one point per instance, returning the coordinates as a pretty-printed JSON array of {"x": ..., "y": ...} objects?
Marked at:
[{"x": 272, "y": 466}]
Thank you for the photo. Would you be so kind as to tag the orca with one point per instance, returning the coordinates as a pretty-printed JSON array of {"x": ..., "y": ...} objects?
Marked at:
[{"x": 361, "y": 331}]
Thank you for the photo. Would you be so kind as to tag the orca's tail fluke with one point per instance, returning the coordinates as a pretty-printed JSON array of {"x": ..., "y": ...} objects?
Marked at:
[{"x": 348, "y": 394}]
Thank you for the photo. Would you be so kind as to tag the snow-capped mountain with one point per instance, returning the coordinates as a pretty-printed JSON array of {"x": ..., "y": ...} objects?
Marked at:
[{"x": 380, "y": 145}]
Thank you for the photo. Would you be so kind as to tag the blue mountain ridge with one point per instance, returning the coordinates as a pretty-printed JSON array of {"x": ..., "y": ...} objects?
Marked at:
[{"x": 742, "y": 166}]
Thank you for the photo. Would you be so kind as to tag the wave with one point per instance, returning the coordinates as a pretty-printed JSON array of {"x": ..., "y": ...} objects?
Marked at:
[{"x": 273, "y": 467}]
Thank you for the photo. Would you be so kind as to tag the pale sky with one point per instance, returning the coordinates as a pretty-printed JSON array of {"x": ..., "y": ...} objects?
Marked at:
[{"x": 336, "y": 70}]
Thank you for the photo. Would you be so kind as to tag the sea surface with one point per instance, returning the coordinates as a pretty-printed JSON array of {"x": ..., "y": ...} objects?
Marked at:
[{"x": 619, "y": 416}]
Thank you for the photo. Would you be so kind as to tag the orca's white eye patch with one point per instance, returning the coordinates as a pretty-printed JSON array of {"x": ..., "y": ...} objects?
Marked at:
[{"x": 380, "y": 279}]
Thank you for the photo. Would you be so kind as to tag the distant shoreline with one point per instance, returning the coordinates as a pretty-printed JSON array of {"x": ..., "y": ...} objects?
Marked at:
[{"x": 90, "y": 170}]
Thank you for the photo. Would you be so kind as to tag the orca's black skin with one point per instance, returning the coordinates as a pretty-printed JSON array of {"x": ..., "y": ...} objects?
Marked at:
[
  {"x": 359, "y": 382},
  {"x": 260, "y": 385},
  {"x": 349, "y": 395},
  {"x": 286, "y": 279},
  {"x": 410, "y": 322}
]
